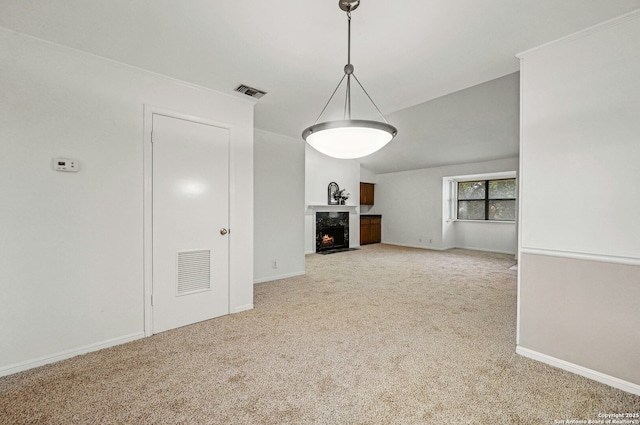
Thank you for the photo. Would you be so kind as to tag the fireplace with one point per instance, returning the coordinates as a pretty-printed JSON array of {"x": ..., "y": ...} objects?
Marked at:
[{"x": 332, "y": 231}]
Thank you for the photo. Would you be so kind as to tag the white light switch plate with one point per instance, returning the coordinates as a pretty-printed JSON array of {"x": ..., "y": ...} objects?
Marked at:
[{"x": 65, "y": 164}]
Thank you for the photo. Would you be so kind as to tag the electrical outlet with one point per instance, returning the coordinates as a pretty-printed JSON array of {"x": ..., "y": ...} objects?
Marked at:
[{"x": 274, "y": 264}]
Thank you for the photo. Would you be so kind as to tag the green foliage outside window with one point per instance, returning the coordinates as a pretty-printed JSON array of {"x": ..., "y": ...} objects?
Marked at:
[{"x": 487, "y": 200}]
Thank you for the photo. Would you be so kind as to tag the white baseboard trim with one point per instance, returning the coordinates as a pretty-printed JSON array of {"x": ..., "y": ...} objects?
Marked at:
[
  {"x": 63, "y": 355},
  {"x": 278, "y": 277},
  {"x": 618, "y": 383},
  {"x": 415, "y": 246},
  {"x": 242, "y": 308},
  {"x": 486, "y": 250},
  {"x": 449, "y": 247}
]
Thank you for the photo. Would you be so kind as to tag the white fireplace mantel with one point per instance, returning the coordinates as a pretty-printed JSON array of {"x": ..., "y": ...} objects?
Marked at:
[{"x": 333, "y": 208}]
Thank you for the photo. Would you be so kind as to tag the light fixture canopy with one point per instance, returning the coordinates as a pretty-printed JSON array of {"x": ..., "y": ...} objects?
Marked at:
[{"x": 349, "y": 138}]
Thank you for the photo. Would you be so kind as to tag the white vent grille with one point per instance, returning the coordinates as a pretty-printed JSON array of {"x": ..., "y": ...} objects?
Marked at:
[
  {"x": 194, "y": 271},
  {"x": 250, "y": 91}
]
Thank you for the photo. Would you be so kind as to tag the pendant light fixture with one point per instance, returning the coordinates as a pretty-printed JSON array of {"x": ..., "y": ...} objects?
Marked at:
[{"x": 348, "y": 138}]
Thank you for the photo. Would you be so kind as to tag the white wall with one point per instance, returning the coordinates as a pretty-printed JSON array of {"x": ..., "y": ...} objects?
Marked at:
[
  {"x": 579, "y": 281},
  {"x": 278, "y": 206},
  {"x": 320, "y": 170},
  {"x": 413, "y": 214},
  {"x": 71, "y": 253},
  {"x": 486, "y": 236},
  {"x": 583, "y": 141},
  {"x": 367, "y": 176}
]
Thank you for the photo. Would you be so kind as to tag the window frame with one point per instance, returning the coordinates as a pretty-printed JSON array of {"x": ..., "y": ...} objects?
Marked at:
[{"x": 487, "y": 200}]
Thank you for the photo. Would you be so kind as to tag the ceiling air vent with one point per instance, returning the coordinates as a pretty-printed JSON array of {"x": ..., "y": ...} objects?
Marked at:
[{"x": 250, "y": 91}]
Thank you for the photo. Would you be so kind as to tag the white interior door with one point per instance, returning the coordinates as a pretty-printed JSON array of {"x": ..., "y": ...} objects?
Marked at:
[{"x": 190, "y": 162}]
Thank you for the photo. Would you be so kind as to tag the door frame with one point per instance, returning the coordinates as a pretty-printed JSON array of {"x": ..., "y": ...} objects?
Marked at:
[{"x": 149, "y": 111}]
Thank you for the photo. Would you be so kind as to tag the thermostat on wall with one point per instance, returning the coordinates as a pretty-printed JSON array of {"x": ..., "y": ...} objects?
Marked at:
[{"x": 65, "y": 164}]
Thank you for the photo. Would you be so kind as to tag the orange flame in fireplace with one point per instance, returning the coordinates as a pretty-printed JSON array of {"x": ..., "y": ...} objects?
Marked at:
[{"x": 327, "y": 239}]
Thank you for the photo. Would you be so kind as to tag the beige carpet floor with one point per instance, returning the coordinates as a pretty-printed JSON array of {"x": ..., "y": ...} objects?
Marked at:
[{"x": 383, "y": 335}]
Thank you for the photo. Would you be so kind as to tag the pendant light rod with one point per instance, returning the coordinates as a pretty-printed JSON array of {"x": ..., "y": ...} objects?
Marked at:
[
  {"x": 348, "y": 37},
  {"x": 348, "y": 6},
  {"x": 349, "y": 138},
  {"x": 346, "y": 70},
  {"x": 329, "y": 101},
  {"x": 374, "y": 103},
  {"x": 347, "y": 100}
]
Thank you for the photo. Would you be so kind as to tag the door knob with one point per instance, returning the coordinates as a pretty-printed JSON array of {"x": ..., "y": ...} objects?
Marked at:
[{"x": 223, "y": 231}]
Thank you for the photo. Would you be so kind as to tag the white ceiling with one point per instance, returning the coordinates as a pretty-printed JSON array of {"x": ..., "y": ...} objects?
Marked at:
[{"x": 404, "y": 53}]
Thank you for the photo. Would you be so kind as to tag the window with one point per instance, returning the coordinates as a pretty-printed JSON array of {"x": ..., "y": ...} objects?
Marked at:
[{"x": 487, "y": 200}]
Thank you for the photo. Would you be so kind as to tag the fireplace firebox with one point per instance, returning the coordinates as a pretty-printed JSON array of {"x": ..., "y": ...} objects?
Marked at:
[{"x": 332, "y": 237}]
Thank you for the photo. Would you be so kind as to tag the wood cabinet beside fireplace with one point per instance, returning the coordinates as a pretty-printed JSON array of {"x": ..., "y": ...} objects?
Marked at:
[
  {"x": 367, "y": 193},
  {"x": 370, "y": 229}
]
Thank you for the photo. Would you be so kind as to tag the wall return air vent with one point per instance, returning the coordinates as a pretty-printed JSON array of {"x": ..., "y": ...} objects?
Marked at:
[
  {"x": 194, "y": 272},
  {"x": 250, "y": 91}
]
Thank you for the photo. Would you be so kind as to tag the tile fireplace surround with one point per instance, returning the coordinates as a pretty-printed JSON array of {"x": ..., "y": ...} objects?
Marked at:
[{"x": 333, "y": 220}]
